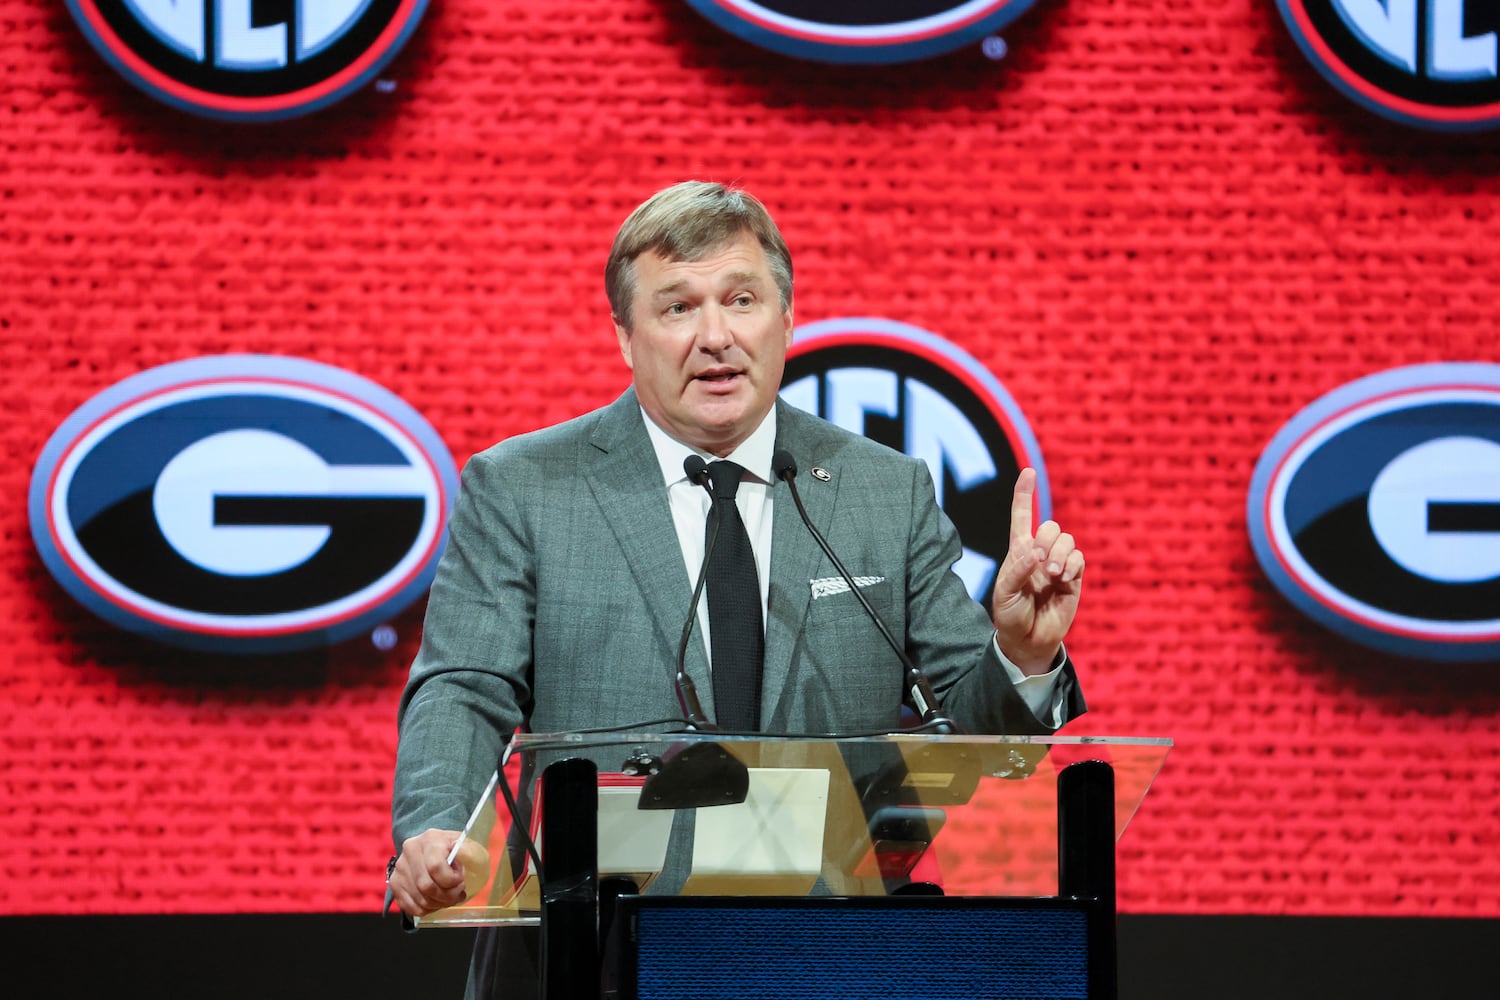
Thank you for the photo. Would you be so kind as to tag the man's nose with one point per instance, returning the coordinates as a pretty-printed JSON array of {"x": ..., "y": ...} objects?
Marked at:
[{"x": 715, "y": 333}]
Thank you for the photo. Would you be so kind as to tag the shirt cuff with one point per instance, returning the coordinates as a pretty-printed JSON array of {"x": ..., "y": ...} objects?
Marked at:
[{"x": 1042, "y": 693}]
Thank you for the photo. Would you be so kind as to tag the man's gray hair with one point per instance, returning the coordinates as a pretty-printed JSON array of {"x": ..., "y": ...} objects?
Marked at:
[{"x": 688, "y": 221}]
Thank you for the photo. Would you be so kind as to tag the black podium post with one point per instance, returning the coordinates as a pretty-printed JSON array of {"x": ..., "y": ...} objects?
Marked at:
[
  {"x": 1086, "y": 862},
  {"x": 570, "y": 881}
]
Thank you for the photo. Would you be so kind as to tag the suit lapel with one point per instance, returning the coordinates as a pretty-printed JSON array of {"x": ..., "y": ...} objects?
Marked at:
[
  {"x": 794, "y": 553},
  {"x": 627, "y": 485}
]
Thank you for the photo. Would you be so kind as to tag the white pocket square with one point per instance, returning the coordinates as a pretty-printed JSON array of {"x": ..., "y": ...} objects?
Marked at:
[{"x": 829, "y": 585}]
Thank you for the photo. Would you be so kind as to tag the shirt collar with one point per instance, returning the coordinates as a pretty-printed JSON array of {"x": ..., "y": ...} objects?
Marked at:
[{"x": 753, "y": 454}]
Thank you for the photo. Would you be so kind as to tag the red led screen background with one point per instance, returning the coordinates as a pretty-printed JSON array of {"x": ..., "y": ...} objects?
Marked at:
[{"x": 1152, "y": 220}]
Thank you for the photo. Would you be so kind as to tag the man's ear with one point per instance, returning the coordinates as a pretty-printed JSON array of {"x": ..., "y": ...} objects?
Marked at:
[
  {"x": 622, "y": 334},
  {"x": 786, "y": 321}
]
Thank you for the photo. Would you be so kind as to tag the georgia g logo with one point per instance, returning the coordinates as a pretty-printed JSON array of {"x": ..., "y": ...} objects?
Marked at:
[
  {"x": 919, "y": 394},
  {"x": 248, "y": 60},
  {"x": 243, "y": 504},
  {"x": 857, "y": 31},
  {"x": 1430, "y": 63},
  {"x": 1376, "y": 511}
]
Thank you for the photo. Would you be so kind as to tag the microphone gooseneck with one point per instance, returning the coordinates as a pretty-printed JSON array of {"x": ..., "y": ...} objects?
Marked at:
[
  {"x": 687, "y": 693},
  {"x": 924, "y": 701},
  {"x": 695, "y": 774}
]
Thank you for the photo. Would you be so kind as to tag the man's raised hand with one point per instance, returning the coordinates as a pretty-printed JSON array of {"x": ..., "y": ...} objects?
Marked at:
[{"x": 1037, "y": 588}]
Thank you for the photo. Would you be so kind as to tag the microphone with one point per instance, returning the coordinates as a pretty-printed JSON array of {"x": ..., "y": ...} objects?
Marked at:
[
  {"x": 692, "y": 775},
  {"x": 923, "y": 700},
  {"x": 687, "y": 693}
]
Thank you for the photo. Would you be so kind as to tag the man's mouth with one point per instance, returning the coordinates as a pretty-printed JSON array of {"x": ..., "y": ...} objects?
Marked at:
[{"x": 718, "y": 377}]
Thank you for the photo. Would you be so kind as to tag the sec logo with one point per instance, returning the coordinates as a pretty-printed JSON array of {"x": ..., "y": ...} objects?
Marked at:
[
  {"x": 243, "y": 504},
  {"x": 919, "y": 394},
  {"x": 857, "y": 31},
  {"x": 248, "y": 60},
  {"x": 1430, "y": 63},
  {"x": 1376, "y": 511}
]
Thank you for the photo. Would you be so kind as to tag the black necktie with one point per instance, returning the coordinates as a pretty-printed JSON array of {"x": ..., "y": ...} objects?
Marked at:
[{"x": 734, "y": 619}]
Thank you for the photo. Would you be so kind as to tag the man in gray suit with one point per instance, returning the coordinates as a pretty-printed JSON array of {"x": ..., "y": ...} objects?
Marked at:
[{"x": 572, "y": 551}]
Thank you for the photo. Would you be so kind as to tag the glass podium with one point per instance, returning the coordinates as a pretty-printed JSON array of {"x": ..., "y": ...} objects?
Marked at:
[
  {"x": 974, "y": 815},
  {"x": 683, "y": 865}
]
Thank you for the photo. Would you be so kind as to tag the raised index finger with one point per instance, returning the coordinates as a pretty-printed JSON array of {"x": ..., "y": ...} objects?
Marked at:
[{"x": 1020, "y": 506}]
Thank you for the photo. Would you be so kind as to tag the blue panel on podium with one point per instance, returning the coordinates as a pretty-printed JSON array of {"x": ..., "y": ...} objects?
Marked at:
[{"x": 857, "y": 949}]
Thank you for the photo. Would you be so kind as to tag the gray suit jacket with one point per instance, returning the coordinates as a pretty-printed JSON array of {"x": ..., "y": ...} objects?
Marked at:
[{"x": 560, "y": 601}]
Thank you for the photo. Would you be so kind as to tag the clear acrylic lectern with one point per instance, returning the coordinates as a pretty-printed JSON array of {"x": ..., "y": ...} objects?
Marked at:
[{"x": 702, "y": 865}]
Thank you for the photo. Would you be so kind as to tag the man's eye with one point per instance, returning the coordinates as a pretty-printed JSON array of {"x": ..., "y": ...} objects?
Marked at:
[{"x": 676, "y": 309}]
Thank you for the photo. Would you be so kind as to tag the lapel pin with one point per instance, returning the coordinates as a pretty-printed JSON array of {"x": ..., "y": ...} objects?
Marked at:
[{"x": 822, "y": 474}]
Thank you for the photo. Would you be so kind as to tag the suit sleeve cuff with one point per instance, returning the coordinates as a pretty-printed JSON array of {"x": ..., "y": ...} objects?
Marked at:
[{"x": 1045, "y": 694}]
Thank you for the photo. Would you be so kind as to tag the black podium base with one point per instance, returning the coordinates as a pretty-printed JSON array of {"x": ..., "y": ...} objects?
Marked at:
[{"x": 902, "y": 948}]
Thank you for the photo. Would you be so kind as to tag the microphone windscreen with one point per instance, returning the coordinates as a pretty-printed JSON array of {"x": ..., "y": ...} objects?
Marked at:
[
  {"x": 783, "y": 465},
  {"x": 695, "y": 468}
]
